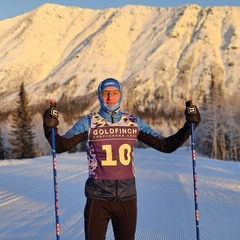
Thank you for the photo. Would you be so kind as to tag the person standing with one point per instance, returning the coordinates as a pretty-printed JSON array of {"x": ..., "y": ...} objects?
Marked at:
[{"x": 109, "y": 136}]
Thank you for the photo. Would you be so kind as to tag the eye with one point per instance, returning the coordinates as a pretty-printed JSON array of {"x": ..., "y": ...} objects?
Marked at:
[{"x": 113, "y": 93}]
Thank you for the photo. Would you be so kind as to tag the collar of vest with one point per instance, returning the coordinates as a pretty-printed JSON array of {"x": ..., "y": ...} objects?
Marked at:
[{"x": 114, "y": 116}]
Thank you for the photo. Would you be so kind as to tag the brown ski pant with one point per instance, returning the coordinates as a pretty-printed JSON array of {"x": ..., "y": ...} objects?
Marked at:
[{"x": 123, "y": 215}]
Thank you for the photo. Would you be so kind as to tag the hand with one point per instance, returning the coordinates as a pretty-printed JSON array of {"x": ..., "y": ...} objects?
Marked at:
[
  {"x": 50, "y": 117},
  {"x": 192, "y": 114}
]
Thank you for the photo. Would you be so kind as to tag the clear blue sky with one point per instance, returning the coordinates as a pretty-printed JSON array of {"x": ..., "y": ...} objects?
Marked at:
[{"x": 12, "y": 8}]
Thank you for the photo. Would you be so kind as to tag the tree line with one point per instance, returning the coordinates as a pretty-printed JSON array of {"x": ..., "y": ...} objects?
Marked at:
[{"x": 218, "y": 134}]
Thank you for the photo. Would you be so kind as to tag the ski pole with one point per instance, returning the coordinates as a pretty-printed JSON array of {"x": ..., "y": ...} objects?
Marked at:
[
  {"x": 192, "y": 110},
  {"x": 54, "y": 113}
]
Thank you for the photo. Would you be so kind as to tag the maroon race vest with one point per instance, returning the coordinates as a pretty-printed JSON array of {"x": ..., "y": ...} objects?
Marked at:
[{"x": 110, "y": 147}]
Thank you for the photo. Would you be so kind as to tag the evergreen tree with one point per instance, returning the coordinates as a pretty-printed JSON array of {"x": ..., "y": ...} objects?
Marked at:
[
  {"x": 2, "y": 149},
  {"x": 22, "y": 140}
]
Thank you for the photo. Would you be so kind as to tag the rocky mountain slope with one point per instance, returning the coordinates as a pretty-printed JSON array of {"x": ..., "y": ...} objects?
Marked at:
[{"x": 163, "y": 56}]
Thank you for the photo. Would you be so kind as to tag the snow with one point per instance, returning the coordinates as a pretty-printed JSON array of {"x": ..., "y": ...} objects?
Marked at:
[{"x": 165, "y": 197}]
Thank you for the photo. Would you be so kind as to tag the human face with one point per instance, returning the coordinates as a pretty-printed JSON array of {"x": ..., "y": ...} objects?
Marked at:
[{"x": 110, "y": 95}]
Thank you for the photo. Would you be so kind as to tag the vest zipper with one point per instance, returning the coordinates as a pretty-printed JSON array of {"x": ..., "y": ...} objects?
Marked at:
[{"x": 112, "y": 116}]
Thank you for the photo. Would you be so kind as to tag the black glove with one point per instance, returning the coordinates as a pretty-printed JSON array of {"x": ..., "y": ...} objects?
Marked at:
[
  {"x": 50, "y": 116},
  {"x": 192, "y": 114}
]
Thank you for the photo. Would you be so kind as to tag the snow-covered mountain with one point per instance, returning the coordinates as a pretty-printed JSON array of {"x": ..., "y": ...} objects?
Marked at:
[{"x": 158, "y": 53}]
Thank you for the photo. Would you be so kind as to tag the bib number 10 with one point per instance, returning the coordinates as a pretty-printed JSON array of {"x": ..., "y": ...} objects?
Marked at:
[{"x": 124, "y": 153}]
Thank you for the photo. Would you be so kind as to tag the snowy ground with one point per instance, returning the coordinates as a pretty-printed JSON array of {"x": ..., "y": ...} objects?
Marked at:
[{"x": 165, "y": 197}]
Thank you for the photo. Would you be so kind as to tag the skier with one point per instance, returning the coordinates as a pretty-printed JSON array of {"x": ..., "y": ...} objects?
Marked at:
[{"x": 110, "y": 136}]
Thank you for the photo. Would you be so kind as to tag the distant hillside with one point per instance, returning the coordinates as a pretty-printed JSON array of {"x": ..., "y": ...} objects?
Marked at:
[{"x": 163, "y": 54}]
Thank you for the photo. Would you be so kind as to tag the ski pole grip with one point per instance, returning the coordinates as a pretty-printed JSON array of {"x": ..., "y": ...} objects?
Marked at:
[
  {"x": 53, "y": 103},
  {"x": 191, "y": 109}
]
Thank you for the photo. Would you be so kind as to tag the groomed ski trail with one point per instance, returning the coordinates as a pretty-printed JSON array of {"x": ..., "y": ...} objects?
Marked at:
[{"x": 165, "y": 197}]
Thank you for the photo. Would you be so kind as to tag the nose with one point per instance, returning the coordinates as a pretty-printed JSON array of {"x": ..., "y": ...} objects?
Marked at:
[{"x": 109, "y": 94}]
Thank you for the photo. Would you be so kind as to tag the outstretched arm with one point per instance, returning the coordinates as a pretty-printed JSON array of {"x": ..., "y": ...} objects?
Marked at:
[{"x": 169, "y": 144}]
